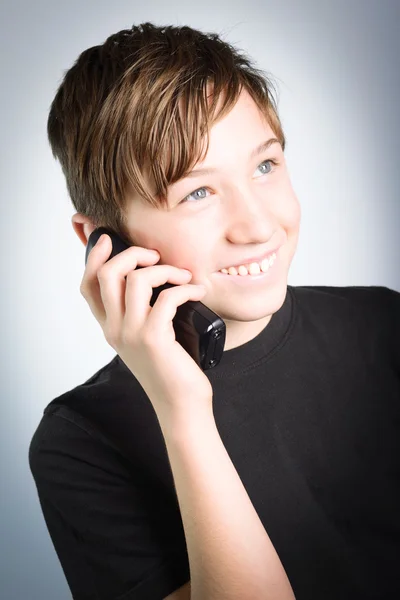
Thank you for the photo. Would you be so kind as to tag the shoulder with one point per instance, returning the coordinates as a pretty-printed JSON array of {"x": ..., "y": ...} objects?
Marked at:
[
  {"x": 352, "y": 293},
  {"x": 67, "y": 444},
  {"x": 360, "y": 300},
  {"x": 110, "y": 411},
  {"x": 367, "y": 316}
]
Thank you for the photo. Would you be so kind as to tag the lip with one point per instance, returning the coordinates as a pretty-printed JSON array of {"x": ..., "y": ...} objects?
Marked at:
[{"x": 256, "y": 259}]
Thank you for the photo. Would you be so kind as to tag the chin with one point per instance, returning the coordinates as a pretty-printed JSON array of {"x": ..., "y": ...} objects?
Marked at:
[{"x": 254, "y": 306}]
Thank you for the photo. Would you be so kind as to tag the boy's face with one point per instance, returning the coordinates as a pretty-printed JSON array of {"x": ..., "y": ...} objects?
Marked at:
[
  {"x": 241, "y": 210},
  {"x": 244, "y": 208}
]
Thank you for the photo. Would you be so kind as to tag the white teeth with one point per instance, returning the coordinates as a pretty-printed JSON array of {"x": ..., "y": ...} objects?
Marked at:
[
  {"x": 252, "y": 269},
  {"x": 231, "y": 271}
]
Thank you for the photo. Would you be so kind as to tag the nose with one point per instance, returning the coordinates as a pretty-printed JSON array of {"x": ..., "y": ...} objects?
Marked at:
[{"x": 248, "y": 219}]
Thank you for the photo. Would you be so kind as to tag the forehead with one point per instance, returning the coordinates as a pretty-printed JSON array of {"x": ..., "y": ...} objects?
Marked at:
[
  {"x": 244, "y": 113},
  {"x": 238, "y": 132}
]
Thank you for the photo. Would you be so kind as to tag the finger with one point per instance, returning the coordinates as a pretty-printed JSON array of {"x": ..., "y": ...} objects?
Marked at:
[
  {"x": 159, "y": 322},
  {"x": 97, "y": 256},
  {"x": 98, "y": 271},
  {"x": 139, "y": 290},
  {"x": 89, "y": 287},
  {"x": 113, "y": 280}
]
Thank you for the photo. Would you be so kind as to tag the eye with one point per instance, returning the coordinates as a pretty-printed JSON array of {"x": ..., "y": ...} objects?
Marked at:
[
  {"x": 194, "y": 195},
  {"x": 272, "y": 162},
  {"x": 201, "y": 197}
]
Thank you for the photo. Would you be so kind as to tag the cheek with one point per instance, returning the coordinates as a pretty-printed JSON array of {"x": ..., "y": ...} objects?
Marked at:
[
  {"x": 289, "y": 210},
  {"x": 178, "y": 246},
  {"x": 181, "y": 251}
]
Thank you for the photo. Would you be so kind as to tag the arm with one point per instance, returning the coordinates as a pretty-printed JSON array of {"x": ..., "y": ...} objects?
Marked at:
[{"x": 230, "y": 554}]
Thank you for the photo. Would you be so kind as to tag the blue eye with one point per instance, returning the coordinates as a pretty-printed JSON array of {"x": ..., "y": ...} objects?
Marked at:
[
  {"x": 272, "y": 162},
  {"x": 193, "y": 193}
]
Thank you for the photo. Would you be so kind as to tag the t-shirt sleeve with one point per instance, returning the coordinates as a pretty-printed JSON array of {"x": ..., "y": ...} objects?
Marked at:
[{"x": 116, "y": 539}]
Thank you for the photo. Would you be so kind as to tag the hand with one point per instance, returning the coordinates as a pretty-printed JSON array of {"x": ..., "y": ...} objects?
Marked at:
[{"x": 143, "y": 336}]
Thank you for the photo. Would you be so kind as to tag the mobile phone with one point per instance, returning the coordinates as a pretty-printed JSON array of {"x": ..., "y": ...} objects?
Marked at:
[{"x": 199, "y": 330}]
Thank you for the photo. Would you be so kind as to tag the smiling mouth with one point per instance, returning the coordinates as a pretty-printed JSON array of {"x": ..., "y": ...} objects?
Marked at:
[{"x": 254, "y": 268}]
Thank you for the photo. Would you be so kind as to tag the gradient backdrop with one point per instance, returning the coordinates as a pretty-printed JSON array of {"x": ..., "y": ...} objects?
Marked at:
[{"x": 337, "y": 68}]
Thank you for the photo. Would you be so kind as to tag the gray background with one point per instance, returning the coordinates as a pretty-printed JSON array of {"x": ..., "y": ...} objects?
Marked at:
[{"x": 336, "y": 65}]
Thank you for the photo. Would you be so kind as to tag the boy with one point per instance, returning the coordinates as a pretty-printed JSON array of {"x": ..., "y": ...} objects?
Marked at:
[{"x": 273, "y": 475}]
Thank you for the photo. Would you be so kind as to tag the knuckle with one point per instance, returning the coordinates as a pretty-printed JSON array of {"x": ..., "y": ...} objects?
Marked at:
[
  {"x": 132, "y": 274},
  {"x": 147, "y": 334},
  {"x": 148, "y": 338},
  {"x": 128, "y": 338},
  {"x": 164, "y": 294}
]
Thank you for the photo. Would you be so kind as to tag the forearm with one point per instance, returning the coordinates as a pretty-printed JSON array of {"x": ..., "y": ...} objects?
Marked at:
[{"x": 230, "y": 554}]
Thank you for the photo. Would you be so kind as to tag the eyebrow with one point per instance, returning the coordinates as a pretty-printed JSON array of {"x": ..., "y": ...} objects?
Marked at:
[{"x": 261, "y": 148}]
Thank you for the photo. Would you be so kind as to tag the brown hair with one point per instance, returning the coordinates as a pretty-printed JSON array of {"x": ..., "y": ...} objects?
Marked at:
[{"x": 137, "y": 105}]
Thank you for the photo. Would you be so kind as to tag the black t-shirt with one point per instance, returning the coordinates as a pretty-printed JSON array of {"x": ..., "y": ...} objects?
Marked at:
[{"x": 309, "y": 412}]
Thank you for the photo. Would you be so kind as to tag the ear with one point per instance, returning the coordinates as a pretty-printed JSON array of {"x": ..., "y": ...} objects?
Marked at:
[{"x": 83, "y": 227}]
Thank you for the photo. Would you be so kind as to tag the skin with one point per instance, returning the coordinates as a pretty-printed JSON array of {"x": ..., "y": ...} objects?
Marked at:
[{"x": 244, "y": 208}]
